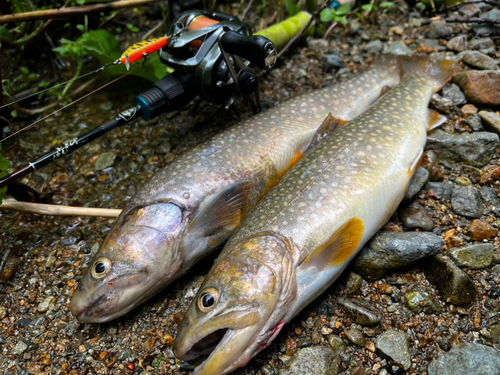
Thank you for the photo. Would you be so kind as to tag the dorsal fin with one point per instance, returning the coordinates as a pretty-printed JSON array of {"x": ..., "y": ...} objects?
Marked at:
[
  {"x": 435, "y": 120},
  {"x": 337, "y": 247},
  {"x": 223, "y": 211},
  {"x": 329, "y": 125}
]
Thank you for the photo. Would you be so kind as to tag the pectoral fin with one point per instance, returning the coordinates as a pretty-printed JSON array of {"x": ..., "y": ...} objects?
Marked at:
[
  {"x": 223, "y": 211},
  {"x": 329, "y": 125},
  {"x": 337, "y": 247},
  {"x": 435, "y": 120}
]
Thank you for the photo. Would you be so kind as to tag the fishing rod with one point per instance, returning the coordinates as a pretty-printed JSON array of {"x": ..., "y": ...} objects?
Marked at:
[{"x": 211, "y": 54}]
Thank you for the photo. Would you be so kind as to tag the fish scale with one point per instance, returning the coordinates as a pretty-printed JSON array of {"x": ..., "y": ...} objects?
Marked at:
[
  {"x": 304, "y": 232},
  {"x": 196, "y": 202}
]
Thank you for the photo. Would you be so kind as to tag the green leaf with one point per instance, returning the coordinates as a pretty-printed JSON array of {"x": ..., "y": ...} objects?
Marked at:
[
  {"x": 5, "y": 34},
  {"x": 80, "y": 2},
  {"x": 4, "y": 172},
  {"x": 80, "y": 27},
  {"x": 13, "y": 113},
  {"x": 387, "y": 4},
  {"x": 291, "y": 6},
  {"x": 344, "y": 9},
  {"x": 368, "y": 7},
  {"x": 327, "y": 15},
  {"x": 24, "y": 70}
]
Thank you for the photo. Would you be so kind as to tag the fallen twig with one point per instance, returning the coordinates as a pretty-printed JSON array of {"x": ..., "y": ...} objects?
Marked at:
[
  {"x": 250, "y": 3},
  {"x": 64, "y": 12},
  {"x": 462, "y": 20},
  {"x": 303, "y": 30},
  {"x": 55, "y": 210}
]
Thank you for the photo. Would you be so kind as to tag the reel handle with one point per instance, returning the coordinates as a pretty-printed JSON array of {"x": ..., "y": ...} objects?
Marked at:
[{"x": 257, "y": 49}]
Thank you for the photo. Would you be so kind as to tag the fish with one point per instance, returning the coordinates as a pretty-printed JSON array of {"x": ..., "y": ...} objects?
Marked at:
[
  {"x": 300, "y": 237},
  {"x": 194, "y": 204}
]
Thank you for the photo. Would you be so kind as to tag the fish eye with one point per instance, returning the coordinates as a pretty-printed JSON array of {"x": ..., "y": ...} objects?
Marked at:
[
  {"x": 208, "y": 299},
  {"x": 101, "y": 267}
]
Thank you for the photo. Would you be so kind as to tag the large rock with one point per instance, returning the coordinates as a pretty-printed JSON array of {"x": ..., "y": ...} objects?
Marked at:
[
  {"x": 467, "y": 359},
  {"x": 482, "y": 43},
  {"x": 316, "y": 360},
  {"x": 480, "y": 60},
  {"x": 472, "y": 256},
  {"x": 491, "y": 120},
  {"x": 454, "y": 285},
  {"x": 480, "y": 86},
  {"x": 466, "y": 201},
  {"x": 360, "y": 311},
  {"x": 394, "y": 344},
  {"x": 388, "y": 251},
  {"x": 475, "y": 149}
]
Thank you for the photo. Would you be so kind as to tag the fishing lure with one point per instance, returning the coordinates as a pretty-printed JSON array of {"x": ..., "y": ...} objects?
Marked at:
[{"x": 141, "y": 50}]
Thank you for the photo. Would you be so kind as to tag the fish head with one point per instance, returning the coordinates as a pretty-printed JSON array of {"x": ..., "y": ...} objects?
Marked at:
[
  {"x": 137, "y": 259},
  {"x": 233, "y": 315}
]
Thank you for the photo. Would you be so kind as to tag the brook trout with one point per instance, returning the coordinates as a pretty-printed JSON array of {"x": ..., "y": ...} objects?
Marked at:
[
  {"x": 304, "y": 232},
  {"x": 194, "y": 204}
]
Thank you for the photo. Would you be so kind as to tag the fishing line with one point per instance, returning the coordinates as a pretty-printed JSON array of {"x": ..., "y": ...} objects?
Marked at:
[
  {"x": 106, "y": 66},
  {"x": 74, "y": 102}
]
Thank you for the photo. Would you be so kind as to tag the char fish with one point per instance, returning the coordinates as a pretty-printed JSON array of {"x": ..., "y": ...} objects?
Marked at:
[
  {"x": 304, "y": 232},
  {"x": 193, "y": 205}
]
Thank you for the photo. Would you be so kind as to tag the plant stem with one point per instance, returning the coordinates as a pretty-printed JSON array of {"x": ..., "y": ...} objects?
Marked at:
[{"x": 78, "y": 71}]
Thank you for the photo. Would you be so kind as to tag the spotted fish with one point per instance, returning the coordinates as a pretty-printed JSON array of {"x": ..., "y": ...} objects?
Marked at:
[
  {"x": 193, "y": 205},
  {"x": 304, "y": 232}
]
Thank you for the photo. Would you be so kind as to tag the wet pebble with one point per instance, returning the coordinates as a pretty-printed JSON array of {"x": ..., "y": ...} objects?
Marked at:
[
  {"x": 373, "y": 46},
  {"x": 388, "y": 251},
  {"x": 454, "y": 285},
  {"x": 422, "y": 300},
  {"x": 441, "y": 104},
  {"x": 105, "y": 160},
  {"x": 475, "y": 256},
  {"x": 453, "y": 93},
  {"x": 474, "y": 121},
  {"x": 467, "y": 359},
  {"x": 354, "y": 282},
  {"x": 19, "y": 348},
  {"x": 46, "y": 303},
  {"x": 469, "y": 10},
  {"x": 23, "y": 322},
  {"x": 475, "y": 149},
  {"x": 480, "y": 60},
  {"x": 458, "y": 43},
  {"x": 480, "y": 86},
  {"x": 3, "y": 312},
  {"x": 394, "y": 344},
  {"x": 415, "y": 217},
  {"x": 466, "y": 201},
  {"x": 420, "y": 178},
  {"x": 360, "y": 311},
  {"x": 318, "y": 46},
  {"x": 438, "y": 29},
  {"x": 332, "y": 61},
  {"x": 481, "y": 43},
  {"x": 312, "y": 361},
  {"x": 354, "y": 336},
  {"x": 480, "y": 230},
  {"x": 397, "y": 48}
]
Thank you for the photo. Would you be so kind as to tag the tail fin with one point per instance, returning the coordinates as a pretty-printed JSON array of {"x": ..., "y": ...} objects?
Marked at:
[{"x": 438, "y": 71}]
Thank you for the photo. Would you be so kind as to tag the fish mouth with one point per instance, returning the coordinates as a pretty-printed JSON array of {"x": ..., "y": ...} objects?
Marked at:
[
  {"x": 205, "y": 345},
  {"x": 227, "y": 348},
  {"x": 99, "y": 311}
]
